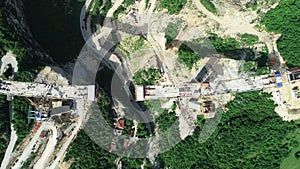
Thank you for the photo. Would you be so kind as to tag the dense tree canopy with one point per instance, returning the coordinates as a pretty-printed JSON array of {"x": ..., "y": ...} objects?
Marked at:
[
  {"x": 284, "y": 19},
  {"x": 20, "y": 112},
  {"x": 88, "y": 155},
  {"x": 28, "y": 67},
  {"x": 250, "y": 135}
]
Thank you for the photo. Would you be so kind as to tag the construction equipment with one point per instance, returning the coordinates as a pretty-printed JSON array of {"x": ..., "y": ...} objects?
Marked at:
[{"x": 36, "y": 106}]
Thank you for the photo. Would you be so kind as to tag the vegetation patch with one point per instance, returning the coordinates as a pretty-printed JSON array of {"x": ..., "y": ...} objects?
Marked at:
[
  {"x": 96, "y": 8},
  {"x": 128, "y": 127},
  {"x": 248, "y": 66},
  {"x": 103, "y": 12},
  {"x": 120, "y": 10},
  {"x": 127, "y": 53},
  {"x": 4, "y": 126},
  {"x": 209, "y": 6},
  {"x": 99, "y": 12},
  {"x": 188, "y": 56},
  {"x": 29, "y": 161},
  {"x": 248, "y": 39},
  {"x": 147, "y": 77},
  {"x": 128, "y": 2},
  {"x": 138, "y": 44},
  {"x": 123, "y": 8},
  {"x": 154, "y": 105},
  {"x": 284, "y": 19},
  {"x": 252, "y": 4},
  {"x": 166, "y": 120},
  {"x": 224, "y": 45},
  {"x": 104, "y": 103},
  {"x": 253, "y": 68},
  {"x": 133, "y": 43},
  {"x": 255, "y": 135},
  {"x": 142, "y": 131},
  {"x": 171, "y": 31},
  {"x": 135, "y": 163},
  {"x": 91, "y": 156},
  {"x": 293, "y": 160},
  {"x": 29, "y": 65},
  {"x": 173, "y": 6},
  {"x": 20, "y": 120}
]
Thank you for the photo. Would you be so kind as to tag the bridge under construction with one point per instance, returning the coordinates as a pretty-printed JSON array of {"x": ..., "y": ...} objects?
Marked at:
[
  {"x": 195, "y": 89},
  {"x": 38, "y": 90}
]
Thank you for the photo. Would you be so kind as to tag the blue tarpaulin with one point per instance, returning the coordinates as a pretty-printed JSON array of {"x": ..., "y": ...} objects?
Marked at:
[
  {"x": 39, "y": 114},
  {"x": 278, "y": 74}
]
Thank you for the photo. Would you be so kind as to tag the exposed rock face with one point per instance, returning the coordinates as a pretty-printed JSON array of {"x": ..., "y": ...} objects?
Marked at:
[
  {"x": 16, "y": 18},
  {"x": 49, "y": 76}
]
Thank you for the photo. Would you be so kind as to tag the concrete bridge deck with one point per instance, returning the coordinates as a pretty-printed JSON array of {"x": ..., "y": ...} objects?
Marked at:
[
  {"x": 26, "y": 89},
  {"x": 214, "y": 88}
]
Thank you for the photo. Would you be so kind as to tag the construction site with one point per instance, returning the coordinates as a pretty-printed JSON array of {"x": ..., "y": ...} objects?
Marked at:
[
  {"x": 56, "y": 110},
  {"x": 203, "y": 96}
]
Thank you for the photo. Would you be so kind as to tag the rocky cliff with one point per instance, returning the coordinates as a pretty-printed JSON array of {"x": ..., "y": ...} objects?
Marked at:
[{"x": 16, "y": 18}]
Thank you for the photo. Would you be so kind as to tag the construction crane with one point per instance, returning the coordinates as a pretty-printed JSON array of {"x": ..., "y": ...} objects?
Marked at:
[{"x": 36, "y": 106}]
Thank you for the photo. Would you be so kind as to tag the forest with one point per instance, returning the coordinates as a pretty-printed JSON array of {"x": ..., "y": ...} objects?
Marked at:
[
  {"x": 166, "y": 118},
  {"x": 93, "y": 156},
  {"x": 28, "y": 67},
  {"x": 285, "y": 20},
  {"x": 88, "y": 155},
  {"x": 4, "y": 126},
  {"x": 20, "y": 110},
  {"x": 255, "y": 135},
  {"x": 250, "y": 135}
]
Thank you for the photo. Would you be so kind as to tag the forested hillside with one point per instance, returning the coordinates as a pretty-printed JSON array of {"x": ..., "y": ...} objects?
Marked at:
[
  {"x": 250, "y": 135},
  {"x": 93, "y": 156},
  {"x": 285, "y": 19},
  {"x": 4, "y": 126},
  {"x": 28, "y": 67}
]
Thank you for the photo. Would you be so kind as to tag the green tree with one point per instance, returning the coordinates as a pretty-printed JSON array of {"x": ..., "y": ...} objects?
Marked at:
[
  {"x": 250, "y": 135},
  {"x": 209, "y": 6},
  {"x": 174, "y": 6},
  {"x": 284, "y": 19}
]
